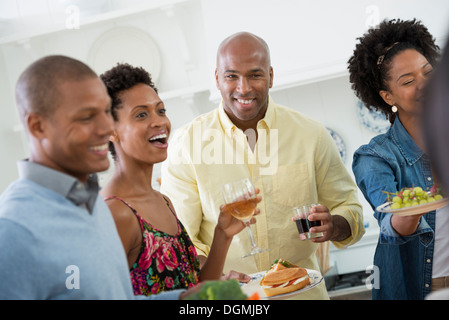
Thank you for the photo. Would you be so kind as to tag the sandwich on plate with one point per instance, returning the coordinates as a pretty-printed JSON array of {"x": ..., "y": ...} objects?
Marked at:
[{"x": 284, "y": 277}]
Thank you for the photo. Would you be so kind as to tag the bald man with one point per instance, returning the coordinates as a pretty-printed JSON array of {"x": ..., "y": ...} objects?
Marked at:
[
  {"x": 57, "y": 237},
  {"x": 288, "y": 156}
]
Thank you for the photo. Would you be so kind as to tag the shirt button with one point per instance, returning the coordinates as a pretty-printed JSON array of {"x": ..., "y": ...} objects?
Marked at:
[
  {"x": 429, "y": 179},
  {"x": 427, "y": 285},
  {"x": 428, "y": 260}
]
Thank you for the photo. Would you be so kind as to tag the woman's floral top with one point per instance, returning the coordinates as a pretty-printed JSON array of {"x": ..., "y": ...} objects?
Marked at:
[{"x": 165, "y": 262}]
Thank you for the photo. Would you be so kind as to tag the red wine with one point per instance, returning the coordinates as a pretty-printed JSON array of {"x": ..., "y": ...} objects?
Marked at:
[{"x": 304, "y": 225}]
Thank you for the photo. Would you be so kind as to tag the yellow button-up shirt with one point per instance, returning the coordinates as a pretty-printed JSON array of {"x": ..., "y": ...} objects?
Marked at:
[{"x": 294, "y": 162}]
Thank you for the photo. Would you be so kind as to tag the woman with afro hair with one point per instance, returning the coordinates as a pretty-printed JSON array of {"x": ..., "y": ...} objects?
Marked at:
[
  {"x": 388, "y": 70},
  {"x": 161, "y": 255}
]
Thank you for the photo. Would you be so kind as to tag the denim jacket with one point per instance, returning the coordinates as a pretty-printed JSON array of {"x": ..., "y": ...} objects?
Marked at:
[{"x": 390, "y": 162}]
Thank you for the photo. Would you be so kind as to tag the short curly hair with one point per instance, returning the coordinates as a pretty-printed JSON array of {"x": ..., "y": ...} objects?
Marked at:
[
  {"x": 120, "y": 78},
  {"x": 387, "y": 39}
]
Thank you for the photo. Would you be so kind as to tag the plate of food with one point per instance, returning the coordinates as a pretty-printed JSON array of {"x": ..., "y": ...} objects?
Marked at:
[
  {"x": 413, "y": 201},
  {"x": 283, "y": 280}
]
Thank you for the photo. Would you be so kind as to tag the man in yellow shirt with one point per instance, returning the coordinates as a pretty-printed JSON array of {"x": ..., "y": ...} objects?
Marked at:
[{"x": 288, "y": 156}]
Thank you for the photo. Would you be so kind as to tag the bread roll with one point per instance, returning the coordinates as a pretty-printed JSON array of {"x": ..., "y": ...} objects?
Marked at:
[{"x": 284, "y": 280}]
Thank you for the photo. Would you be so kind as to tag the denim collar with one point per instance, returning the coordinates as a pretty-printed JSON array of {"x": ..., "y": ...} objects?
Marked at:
[{"x": 405, "y": 143}]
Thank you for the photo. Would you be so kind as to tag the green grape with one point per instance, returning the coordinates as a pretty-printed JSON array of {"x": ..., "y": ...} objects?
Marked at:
[
  {"x": 396, "y": 205},
  {"x": 397, "y": 199},
  {"x": 413, "y": 196}
]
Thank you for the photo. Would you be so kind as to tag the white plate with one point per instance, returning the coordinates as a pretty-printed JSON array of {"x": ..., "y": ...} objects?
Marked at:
[
  {"x": 125, "y": 45},
  {"x": 254, "y": 285},
  {"x": 410, "y": 211}
]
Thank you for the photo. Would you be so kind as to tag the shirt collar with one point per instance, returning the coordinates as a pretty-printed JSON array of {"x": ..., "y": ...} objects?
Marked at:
[
  {"x": 267, "y": 120},
  {"x": 407, "y": 146},
  {"x": 69, "y": 187}
]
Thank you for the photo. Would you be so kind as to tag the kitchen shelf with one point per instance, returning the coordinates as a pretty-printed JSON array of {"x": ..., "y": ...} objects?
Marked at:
[{"x": 116, "y": 13}]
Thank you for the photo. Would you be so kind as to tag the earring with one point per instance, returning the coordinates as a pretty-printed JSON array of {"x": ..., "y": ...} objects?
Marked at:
[
  {"x": 113, "y": 137},
  {"x": 394, "y": 109}
]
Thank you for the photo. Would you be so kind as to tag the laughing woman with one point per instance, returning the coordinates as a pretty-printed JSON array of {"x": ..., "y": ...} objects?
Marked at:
[
  {"x": 388, "y": 71},
  {"x": 160, "y": 253}
]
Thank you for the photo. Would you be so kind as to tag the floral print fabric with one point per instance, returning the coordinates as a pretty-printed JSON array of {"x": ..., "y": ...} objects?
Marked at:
[{"x": 165, "y": 262}]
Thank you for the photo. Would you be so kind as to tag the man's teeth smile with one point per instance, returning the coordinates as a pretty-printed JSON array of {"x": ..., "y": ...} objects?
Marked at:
[
  {"x": 245, "y": 101},
  {"x": 102, "y": 147}
]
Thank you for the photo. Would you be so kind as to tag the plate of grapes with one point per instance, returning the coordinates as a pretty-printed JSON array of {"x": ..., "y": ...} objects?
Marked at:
[{"x": 413, "y": 201}]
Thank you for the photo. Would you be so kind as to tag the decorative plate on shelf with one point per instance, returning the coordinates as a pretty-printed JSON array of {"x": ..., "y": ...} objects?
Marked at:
[
  {"x": 339, "y": 142},
  {"x": 372, "y": 120},
  {"x": 125, "y": 45}
]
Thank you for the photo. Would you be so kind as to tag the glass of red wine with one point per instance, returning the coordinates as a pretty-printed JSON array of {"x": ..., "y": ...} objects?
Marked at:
[{"x": 301, "y": 218}]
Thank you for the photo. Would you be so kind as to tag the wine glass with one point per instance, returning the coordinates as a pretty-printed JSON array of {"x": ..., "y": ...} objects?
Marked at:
[{"x": 241, "y": 201}]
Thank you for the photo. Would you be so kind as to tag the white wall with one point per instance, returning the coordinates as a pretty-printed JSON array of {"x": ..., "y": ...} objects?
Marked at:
[
  {"x": 312, "y": 40},
  {"x": 11, "y": 142}
]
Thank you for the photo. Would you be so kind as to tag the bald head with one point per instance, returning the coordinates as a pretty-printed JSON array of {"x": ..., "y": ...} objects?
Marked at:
[
  {"x": 242, "y": 40},
  {"x": 244, "y": 76},
  {"x": 37, "y": 90}
]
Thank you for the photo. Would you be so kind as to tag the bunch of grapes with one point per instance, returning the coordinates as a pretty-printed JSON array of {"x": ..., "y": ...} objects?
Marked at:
[{"x": 408, "y": 197}]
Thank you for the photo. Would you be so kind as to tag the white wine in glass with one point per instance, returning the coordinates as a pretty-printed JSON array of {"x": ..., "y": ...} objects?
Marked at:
[{"x": 241, "y": 201}]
